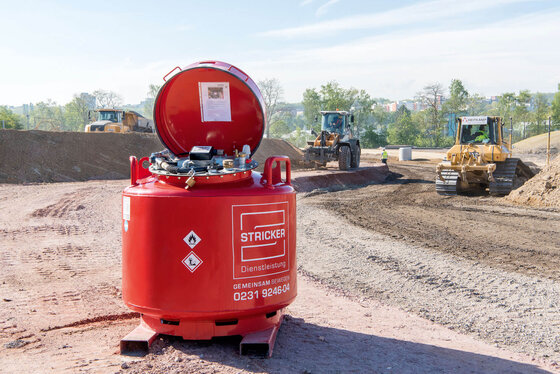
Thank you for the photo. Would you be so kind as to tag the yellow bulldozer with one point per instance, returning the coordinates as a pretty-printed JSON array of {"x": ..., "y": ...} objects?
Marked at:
[
  {"x": 118, "y": 120},
  {"x": 480, "y": 158}
]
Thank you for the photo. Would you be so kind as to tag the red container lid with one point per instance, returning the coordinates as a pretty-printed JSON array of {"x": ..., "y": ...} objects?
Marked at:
[{"x": 209, "y": 103}]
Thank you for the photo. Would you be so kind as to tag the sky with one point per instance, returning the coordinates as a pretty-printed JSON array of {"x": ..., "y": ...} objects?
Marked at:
[{"x": 55, "y": 49}]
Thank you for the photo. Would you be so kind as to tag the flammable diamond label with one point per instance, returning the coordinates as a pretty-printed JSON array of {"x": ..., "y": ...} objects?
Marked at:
[
  {"x": 192, "y": 239},
  {"x": 192, "y": 262}
]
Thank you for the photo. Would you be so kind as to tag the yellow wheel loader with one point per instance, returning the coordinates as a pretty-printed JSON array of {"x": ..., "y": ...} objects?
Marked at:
[
  {"x": 480, "y": 158},
  {"x": 336, "y": 142}
]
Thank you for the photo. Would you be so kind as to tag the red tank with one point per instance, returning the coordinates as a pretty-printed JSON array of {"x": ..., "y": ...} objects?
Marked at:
[{"x": 209, "y": 245}]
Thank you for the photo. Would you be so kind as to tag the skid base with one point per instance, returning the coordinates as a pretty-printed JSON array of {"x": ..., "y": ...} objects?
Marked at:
[
  {"x": 138, "y": 341},
  {"x": 259, "y": 342}
]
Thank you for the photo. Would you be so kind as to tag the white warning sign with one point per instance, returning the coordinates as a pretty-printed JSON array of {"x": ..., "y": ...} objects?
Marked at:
[
  {"x": 260, "y": 240},
  {"x": 215, "y": 105},
  {"x": 192, "y": 262},
  {"x": 192, "y": 239}
]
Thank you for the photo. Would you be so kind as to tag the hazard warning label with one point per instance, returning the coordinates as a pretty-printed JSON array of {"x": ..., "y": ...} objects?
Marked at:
[
  {"x": 192, "y": 262},
  {"x": 260, "y": 240}
]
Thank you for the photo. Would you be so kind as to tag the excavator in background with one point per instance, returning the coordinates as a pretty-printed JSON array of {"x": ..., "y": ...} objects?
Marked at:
[
  {"x": 118, "y": 120},
  {"x": 335, "y": 142},
  {"x": 480, "y": 158}
]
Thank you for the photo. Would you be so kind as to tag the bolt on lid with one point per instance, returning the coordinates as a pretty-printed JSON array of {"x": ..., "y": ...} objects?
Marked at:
[{"x": 209, "y": 103}]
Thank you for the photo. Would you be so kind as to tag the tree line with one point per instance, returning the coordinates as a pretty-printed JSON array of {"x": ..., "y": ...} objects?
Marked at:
[
  {"x": 72, "y": 116},
  {"x": 373, "y": 123},
  {"x": 427, "y": 127}
]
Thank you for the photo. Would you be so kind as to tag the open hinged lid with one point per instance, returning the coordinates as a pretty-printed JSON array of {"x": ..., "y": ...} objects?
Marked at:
[{"x": 209, "y": 103}]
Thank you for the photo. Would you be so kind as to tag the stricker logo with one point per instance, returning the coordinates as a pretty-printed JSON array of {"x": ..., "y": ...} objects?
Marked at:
[{"x": 260, "y": 240}]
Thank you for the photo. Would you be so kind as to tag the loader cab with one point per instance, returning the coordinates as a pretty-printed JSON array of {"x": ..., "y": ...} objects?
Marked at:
[
  {"x": 479, "y": 130},
  {"x": 334, "y": 122}
]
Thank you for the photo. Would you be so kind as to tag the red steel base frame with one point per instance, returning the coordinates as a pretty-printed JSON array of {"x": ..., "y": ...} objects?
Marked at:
[{"x": 258, "y": 332}]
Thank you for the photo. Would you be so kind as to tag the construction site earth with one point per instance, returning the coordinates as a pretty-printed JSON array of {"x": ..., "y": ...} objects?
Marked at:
[{"x": 392, "y": 276}]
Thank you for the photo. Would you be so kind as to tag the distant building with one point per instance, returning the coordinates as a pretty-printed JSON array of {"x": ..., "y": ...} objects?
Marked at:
[
  {"x": 413, "y": 106},
  {"x": 410, "y": 105},
  {"x": 391, "y": 107}
]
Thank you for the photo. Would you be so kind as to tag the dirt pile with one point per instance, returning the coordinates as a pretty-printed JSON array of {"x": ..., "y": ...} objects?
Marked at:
[
  {"x": 322, "y": 181},
  {"x": 537, "y": 144},
  {"x": 48, "y": 156},
  {"x": 543, "y": 190},
  {"x": 275, "y": 147}
]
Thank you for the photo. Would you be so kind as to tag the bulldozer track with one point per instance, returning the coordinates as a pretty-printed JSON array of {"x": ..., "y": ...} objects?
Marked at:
[
  {"x": 449, "y": 185},
  {"x": 506, "y": 174}
]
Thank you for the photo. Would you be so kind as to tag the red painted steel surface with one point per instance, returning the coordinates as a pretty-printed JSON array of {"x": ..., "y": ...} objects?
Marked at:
[
  {"x": 178, "y": 118},
  {"x": 217, "y": 258},
  {"x": 242, "y": 267}
]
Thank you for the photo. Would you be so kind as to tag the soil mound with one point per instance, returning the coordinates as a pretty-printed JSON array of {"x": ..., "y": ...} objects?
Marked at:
[
  {"x": 321, "y": 181},
  {"x": 543, "y": 190},
  {"x": 48, "y": 156},
  {"x": 537, "y": 144},
  {"x": 278, "y": 147}
]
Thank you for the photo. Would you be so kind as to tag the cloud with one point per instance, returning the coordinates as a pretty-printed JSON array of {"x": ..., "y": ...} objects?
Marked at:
[
  {"x": 324, "y": 8},
  {"x": 495, "y": 58},
  {"x": 305, "y": 2},
  {"x": 422, "y": 12}
]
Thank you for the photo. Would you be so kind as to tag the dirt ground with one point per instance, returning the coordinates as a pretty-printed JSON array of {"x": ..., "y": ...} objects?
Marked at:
[
  {"x": 385, "y": 278},
  {"x": 474, "y": 263}
]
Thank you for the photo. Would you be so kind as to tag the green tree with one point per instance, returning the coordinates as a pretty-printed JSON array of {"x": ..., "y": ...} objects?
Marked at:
[
  {"x": 334, "y": 97},
  {"x": 506, "y": 105},
  {"x": 279, "y": 128},
  {"x": 362, "y": 110},
  {"x": 372, "y": 138},
  {"x": 10, "y": 119},
  {"x": 431, "y": 96},
  {"x": 47, "y": 116},
  {"x": 403, "y": 130},
  {"x": 76, "y": 114},
  {"x": 298, "y": 138},
  {"x": 542, "y": 109},
  {"x": 477, "y": 105},
  {"x": 555, "y": 110},
  {"x": 522, "y": 101},
  {"x": 458, "y": 98},
  {"x": 311, "y": 107}
]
